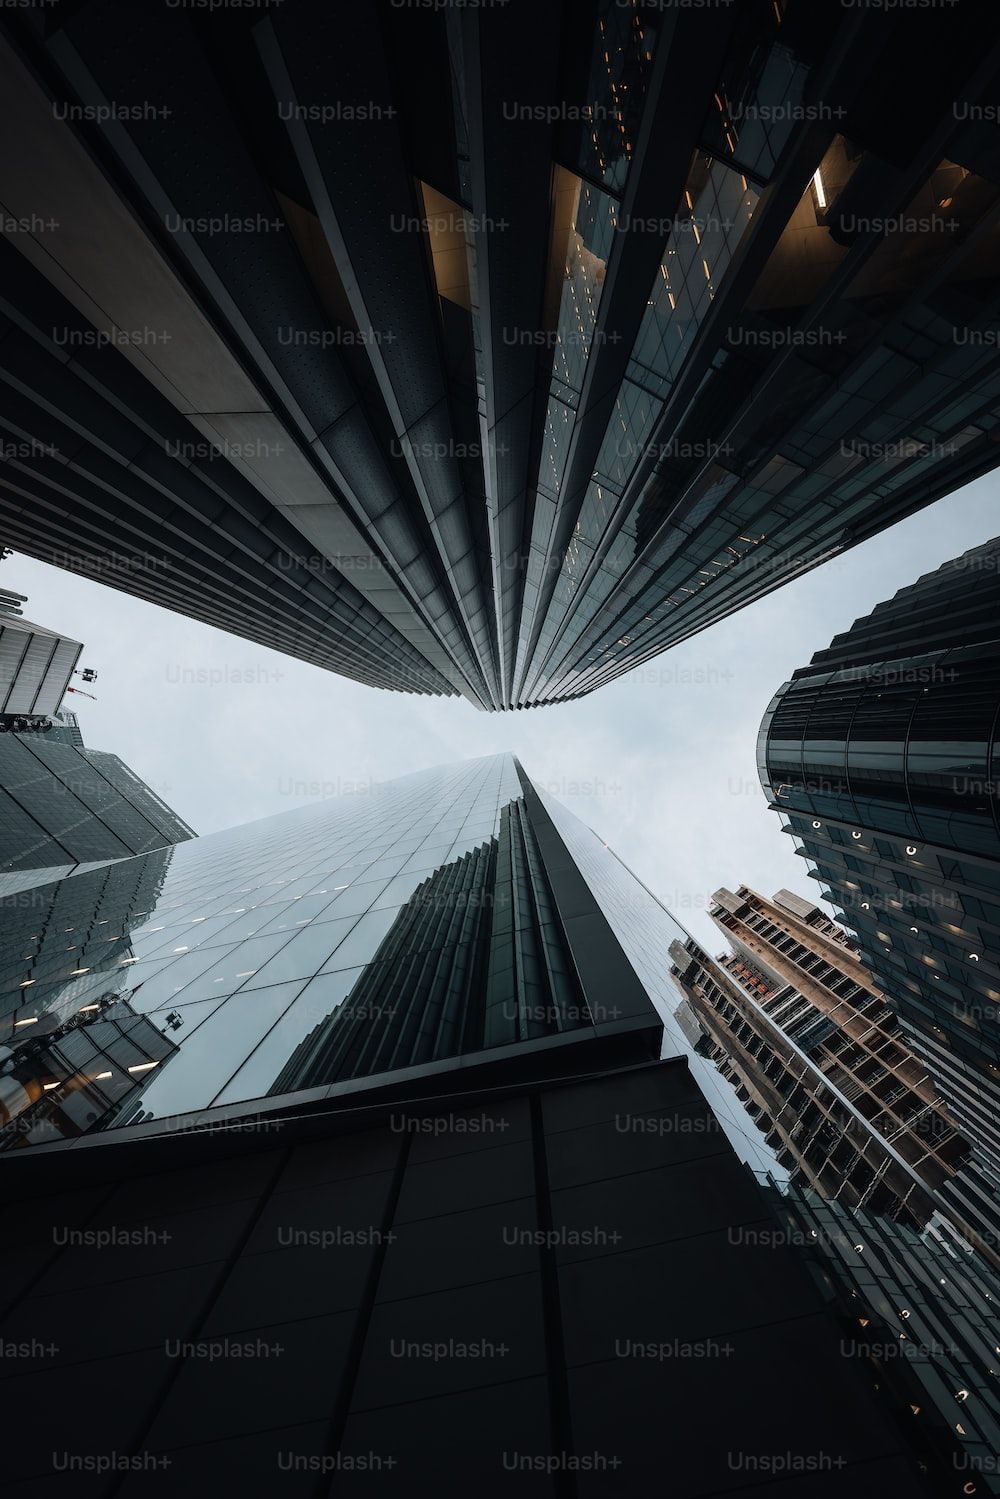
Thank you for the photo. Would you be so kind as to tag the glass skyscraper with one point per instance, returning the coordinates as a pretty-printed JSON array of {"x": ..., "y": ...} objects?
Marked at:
[
  {"x": 881, "y": 757},
  {"x": 409, "y": 923},
  {"x": 360, "y": 1144},
  {"x": 63, "y": 805},
  {"x": 923, "y": 1317},
  {"x": 658, "y": 307}
]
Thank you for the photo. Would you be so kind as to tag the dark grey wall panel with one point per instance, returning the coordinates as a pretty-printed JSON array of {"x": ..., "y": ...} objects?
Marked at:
[{"x": 347, "y": 1314}]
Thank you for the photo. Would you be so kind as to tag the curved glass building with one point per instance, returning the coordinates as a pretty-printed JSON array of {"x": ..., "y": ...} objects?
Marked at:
[{"x": 882, "y": 758}]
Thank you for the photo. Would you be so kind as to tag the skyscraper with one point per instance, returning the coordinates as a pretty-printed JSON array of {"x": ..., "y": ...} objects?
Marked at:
[
  {"x": 881, "y": 757},
  {"x": 792, "y": 1017},
  {"x": 888, "y": 1203},
  {"x": 62, "y": 805},
  {"x": 798, "y": 1089},
  {"x": 922, "y": 1318},
  {"x": 364, "y": 1148},
  {"x": 653, "y": 308}
]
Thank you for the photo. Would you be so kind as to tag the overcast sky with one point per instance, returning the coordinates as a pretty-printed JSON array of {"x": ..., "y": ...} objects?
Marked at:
[{"x": 661, "y": 763}]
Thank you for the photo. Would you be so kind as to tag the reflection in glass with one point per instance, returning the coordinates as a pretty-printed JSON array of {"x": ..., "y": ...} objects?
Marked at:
[
  {"x": 475, "y": 958},
  {"x": 370, "y": 932}
]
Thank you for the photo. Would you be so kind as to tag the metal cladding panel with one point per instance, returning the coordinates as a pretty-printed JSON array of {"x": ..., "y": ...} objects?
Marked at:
[
  {"x": 13, "y": 643},
  {"x": 57, "y": 678},
  {"x": 35, "y": 667},
  {"x": 449, "y": 1223}
]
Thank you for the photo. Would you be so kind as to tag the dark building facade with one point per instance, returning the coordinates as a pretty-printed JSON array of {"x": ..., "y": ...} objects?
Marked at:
[
  {"x": 651, "y": 309},
  {"x": 501, "y": 1236},
  {"x": 881, "y": 757},
  {"x": 923, "y": 1319},
  {"x": 62, "y": 805}
]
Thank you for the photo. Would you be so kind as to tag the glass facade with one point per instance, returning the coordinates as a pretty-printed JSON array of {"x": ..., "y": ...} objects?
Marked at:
[
  {"x": 248, "y": 941},
  {"x": 453, "y": 948},
  {"x": 922, "y": 1319},
  {"x": 646, "y": 317},
  {"x": 620, "y": 67},
  {"x": 384, "y": 929},
  {"x": 63, "y": 805},
  {"x": 645, "y": 929},
  {"x": 404, "y": 924},
  {"x": 730, "y": 511},
  {"x": 881, "y": 756},
  {"x": 715, "y": 210}
]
